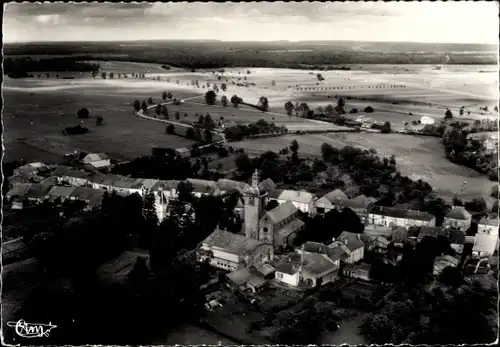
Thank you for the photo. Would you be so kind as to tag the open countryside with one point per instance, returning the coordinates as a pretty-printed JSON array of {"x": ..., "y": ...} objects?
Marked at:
[{"x": 226, "y": 174}]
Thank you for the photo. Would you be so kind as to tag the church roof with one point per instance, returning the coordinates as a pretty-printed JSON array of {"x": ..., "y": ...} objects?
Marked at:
[
  {"x": 231, "y": 243},
  {"x": 281, "y": 212}
]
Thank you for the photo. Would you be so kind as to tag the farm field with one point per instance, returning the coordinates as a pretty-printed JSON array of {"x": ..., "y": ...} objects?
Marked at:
[
  {"x": 416, "y": 157},
  {"x": 35, "y": 115},
  {"x": 245, "y": 115}
]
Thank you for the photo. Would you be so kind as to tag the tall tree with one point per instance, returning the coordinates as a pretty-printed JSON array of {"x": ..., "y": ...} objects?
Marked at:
[{"x": 210, "y": 97}]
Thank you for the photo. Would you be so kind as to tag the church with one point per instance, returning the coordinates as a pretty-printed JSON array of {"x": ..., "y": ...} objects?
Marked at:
[{"x": 275, "y": 229}]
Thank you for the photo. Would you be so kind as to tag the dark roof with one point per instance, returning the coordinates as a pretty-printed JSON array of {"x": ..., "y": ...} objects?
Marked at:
[
  {"x": 316, "y": 263},
  {"x": 37, "y": 190},
  {"x": 289, "y": 264},
  {"x": 281, "y": 212},
  {"x": 336, "y": 196},
  {"x": 351, "y": 240},
  {"x": 267, "y": 186},
  {"x": 227, "y": 185},
  {"x": 399, "y": 213},
  {"x": 61, "y": 191},
  {"x": 457, "y": 237},
  {"x": 19, "y": 189},
  {"x": 234, "y": 243}
]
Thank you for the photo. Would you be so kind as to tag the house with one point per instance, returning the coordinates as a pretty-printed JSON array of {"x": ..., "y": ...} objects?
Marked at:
[
  {"x": 266, "y": 270},
  {"x": 96, "y": 160},
  {"x": 484, "y": 245},
  {"x": 488, "y": 226},
  {"x": 360, "y": 205},
  {"x": 329, "y": 201},
  {"x": 31, "y": 168},
  {"x": 457, "y": 240},
  {"x": 302, "y": 200},
  {"x": 360, "y": 271},
  {"x": 127, "y": 186},
  {"x": 442, "y": 262},
  {"x": 61, "y": 192},
  {"x": 391, "y": 217},
  {"x": 335, "y": 254},
  {"x": 427, "y": 120},
  {"x": 38, "y": 192},
  {"x": 458, "y": 218},
  {"x": 203, "y": 187},
  {"x": 18, "y": 191},
  {"x": 232, "y": 252},
  {"x": 70, "y": 176},
  {"x": 377, "y": 230},
  {"x": 246, "y": 279},
  {"x": 280, "y": 226},
  {"x": 92, "y": 197},
  {"x": 183, "y": 152},
  {"x": 378, "y": 244},
  {"x": 108, "y": 182},
  {"x": 166, "y": 189},
  {"x": 351, "y": 244},
  {"x": 306, "y": 270}
]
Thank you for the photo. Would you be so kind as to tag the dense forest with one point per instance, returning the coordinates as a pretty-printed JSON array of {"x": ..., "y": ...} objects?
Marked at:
[
  {"x": 296, "y": 55},
  {"x": 21, "y": 67}
]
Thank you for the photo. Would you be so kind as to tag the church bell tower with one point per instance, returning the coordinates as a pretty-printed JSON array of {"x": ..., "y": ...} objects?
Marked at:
[{"x": 254, "y": 204}]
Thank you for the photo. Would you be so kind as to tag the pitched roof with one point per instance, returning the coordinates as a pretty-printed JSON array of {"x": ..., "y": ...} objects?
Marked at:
[
  {"x": 489, "y": 221},
  {"x": 289, "y": 264},
  {"x": 37, "y": 190},
  {"x": 227, "y": 185},
  {"x": 61, "y": 191},
  {"x": 126, "y": 182},
  {"x": 381, "y": 240},
  {"x": 265, "y": 269},
  {"x": 275, "y": 193},
  {"x": 399, "y": 213},
  {"x": 290, "y": 227},
  {"x": 337, "y": 252},
  {"x": 19, "y": 189},
  {"x": 281, "y": 212},
  {"x": 232, "y": 243},
  {"x": 92, "y": 196},
  {"x": 457, "y": 237},
  {"x": 297, "y": 196},
  {"x": 109, "y": 180},
  {"x": 334, "y": 253},
  {"x": 485, "y": 243},
  {"x": 317, "y": 263},
  {"x": 93, "y": 157},
  {"x": 458, "y": 212},
  {"x": 351, "y": 240},
  {"x": 100, "y": 163},
  {"x": 335, "y": 196}
]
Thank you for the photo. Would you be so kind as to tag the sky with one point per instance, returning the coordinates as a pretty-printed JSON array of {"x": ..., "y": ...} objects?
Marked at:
[{"x": 440, "y": 22}]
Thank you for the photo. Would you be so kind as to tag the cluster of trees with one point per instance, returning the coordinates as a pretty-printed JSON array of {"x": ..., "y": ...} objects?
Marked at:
[
  {"x": 166, "y": 165},
  {"x": 468, "y": 153},
  {"x": 20, "y": 67},
  {"x": 384, "y": 128},
  {"x": 465, "y": 314},
  {"x": 289, "y": 170},
  {"x": 375, "y": 176},
  {"x": 323, "y": 228},
  {"x": 76, "y": 130},
  {"x": 240, "y": 131}
]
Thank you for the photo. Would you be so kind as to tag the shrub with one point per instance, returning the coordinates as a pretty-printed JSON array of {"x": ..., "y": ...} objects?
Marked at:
[
  {"x": 83, "y": 113},
  {"x": 369, "y": 109},
  {"x": 170, "y": 129}
]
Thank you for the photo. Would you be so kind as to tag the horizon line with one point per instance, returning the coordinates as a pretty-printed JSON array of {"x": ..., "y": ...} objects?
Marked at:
[{"x": 251, "y": 41}]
